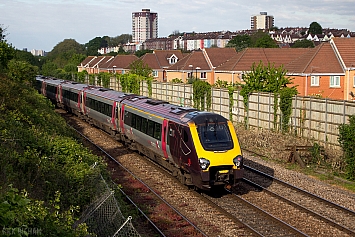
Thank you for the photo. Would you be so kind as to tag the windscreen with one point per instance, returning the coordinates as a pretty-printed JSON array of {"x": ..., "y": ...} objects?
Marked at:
[{"x": 215, "y": 136}]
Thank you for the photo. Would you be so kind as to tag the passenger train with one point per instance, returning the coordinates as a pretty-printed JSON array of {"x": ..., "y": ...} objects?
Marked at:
[{"x": 199, "y": 148}]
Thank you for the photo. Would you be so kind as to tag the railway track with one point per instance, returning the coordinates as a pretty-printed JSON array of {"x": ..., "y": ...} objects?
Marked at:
[
  {"x": 211, "y": 222},
  {"x": 254, "y": 212},
  {"x": 124, "y": 175},
  {"x": 334, "y": 215}
]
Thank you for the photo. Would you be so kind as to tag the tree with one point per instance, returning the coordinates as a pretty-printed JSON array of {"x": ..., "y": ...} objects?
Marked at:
[
  {"x": 7, "y": 52},
  {"x": 94, "y": 45},
  {"x": 347, "y": 140},
  {"x": 303, "y": 44},
  {"x": 118, "y": 40},
  {"x": 65, "y": 46},
  {"x": 273, "y": 80},
  {"x": 263, "y": 40},
  {"x": 274, "y": 28},
  {"x": 176, "y": 33},
  {"x": 2, "y": 33},
  {"x": 63, "y": 52},
  {"x": 76, "y": 58},
  {"x": 21, "y": 71},
  {"x": 49, "y": 69},
  {"x": 315, "y": 28},
  {"x": 140, "y": 68},
  {"x": 27, "y": 57},
  {"x": 140, "y": 53},
  {"x": 70, "y": 67},
  {"x": 240, "y": 42}
]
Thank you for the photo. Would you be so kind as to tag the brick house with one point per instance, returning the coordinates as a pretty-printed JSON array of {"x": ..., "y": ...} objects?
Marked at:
[
  {"x": 92, "y": 64},
  {"x": 345, "y": 50},
  {"x": 119, "y": 64},
  {"x": 200, "y": 64},
  {"x": 327, "y": 71},
  {"x": 160, "y": 60}
]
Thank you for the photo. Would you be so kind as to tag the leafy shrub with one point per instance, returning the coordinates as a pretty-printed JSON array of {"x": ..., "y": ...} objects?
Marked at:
[
  {"x": 347, "y": 140},
  {"x": 41, "y": 155}
]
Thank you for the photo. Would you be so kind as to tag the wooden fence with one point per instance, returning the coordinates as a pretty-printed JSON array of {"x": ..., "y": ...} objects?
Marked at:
[{"x": 313, "y": 118}]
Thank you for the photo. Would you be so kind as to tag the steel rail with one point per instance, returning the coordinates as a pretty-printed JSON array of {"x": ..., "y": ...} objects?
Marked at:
[
  {"x": 319, "y": 216},
  {"x": 150, "y": 189}
]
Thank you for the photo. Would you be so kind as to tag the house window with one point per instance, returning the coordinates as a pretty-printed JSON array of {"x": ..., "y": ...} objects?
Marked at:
[
  {"x": 189, "y": 75},
  {"x": 354, "y": 81},
  {"x": 203, "y": 75},
  {"x": 172, "y": 59},
  {"x": 334, "y": 81},
  {"x": 155, "y": 73},
  {"x": 314, "y": 80}
]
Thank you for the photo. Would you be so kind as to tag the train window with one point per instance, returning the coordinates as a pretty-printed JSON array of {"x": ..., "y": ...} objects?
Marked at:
[
  {"x": 215, "y": 136},
  {"x": 185, "y": 136},
  {"x": 74, "y": 96},
  {"x": 150, "y": 129},
  {"x": 157, "y": 131},
  {"x": 109, "y": 110},
  {"x": 134, "y": 119},
  {"x": 88, "y": 102},
  {"x": 139, "y": 123},
  {"x": 144, "y": 125},
  {"x": 128, "y": 118},
  {"x": 104, "y": 108}
]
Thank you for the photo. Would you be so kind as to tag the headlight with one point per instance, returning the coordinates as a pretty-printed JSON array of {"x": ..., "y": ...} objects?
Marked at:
[
  {"x": 238, "y": 161},
  {"x": 204, "y": 163}
]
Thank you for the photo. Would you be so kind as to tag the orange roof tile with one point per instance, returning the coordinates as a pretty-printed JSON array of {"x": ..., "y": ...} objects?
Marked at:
[
  {"x": 324, "y": 61},
  {"x": 217, "y": 56},
  {"x": 120, "y": 61},
  {"x": 86, "y": 61},
  {"x": 346, "y": 49},
  {"x": 294, "y": 60},
  {"x": 163, "y": 55}
]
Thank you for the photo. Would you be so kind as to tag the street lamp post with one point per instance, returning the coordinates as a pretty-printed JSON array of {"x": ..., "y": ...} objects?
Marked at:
[
  {"x": 192, "y": 69},
  {"x": 114, "y": 69},
  {"x": 197, "y": 68}
]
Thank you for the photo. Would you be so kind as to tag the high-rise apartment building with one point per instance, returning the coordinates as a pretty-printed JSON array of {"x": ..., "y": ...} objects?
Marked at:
[
  {"x": 144, "y": 25},
  {"x": 262, "y": 21}
]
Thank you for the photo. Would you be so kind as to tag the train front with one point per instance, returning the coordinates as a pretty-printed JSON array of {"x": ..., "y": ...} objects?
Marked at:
[{"x": 219, "y": 155}]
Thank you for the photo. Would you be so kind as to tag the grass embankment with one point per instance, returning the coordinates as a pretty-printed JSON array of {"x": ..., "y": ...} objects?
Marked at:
[{"x": 44, "y": 171}]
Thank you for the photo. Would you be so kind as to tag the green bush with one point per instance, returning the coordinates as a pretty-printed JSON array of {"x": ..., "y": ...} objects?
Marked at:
[
  {"x": 41, "y": 155},
  {"x": 347, "y": 140},
  {"x": 202, "y": 94}
]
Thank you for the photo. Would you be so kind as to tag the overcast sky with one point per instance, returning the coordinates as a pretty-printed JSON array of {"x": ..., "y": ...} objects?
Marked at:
[{"x": 40, "y": 24}]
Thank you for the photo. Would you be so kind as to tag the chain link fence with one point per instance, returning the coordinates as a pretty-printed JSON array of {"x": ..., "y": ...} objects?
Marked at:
[{"x": 103, "y": 216}]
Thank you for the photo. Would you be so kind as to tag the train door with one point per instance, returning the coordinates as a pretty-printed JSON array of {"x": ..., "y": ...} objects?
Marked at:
[
  {"x": 180, "y": 144},
  {"x": 186, "y": 146},
  {"x": 164, "y": 131},
  {"x": 114, "y": 115},
  {"x": 82, "y": 101},
  {"x": 173, "y": 141}
]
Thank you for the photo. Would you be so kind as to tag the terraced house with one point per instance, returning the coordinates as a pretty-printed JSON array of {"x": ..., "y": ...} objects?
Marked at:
[{"x": 326, "y": 71}]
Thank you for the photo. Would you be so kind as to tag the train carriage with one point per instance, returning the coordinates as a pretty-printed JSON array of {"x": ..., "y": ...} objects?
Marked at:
[
  {"x": 101, "y": 107},
  {"x": 72, "y": 93},
  {"x": 200, "y": 148},
  {"x": 50, "y": 88}
]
